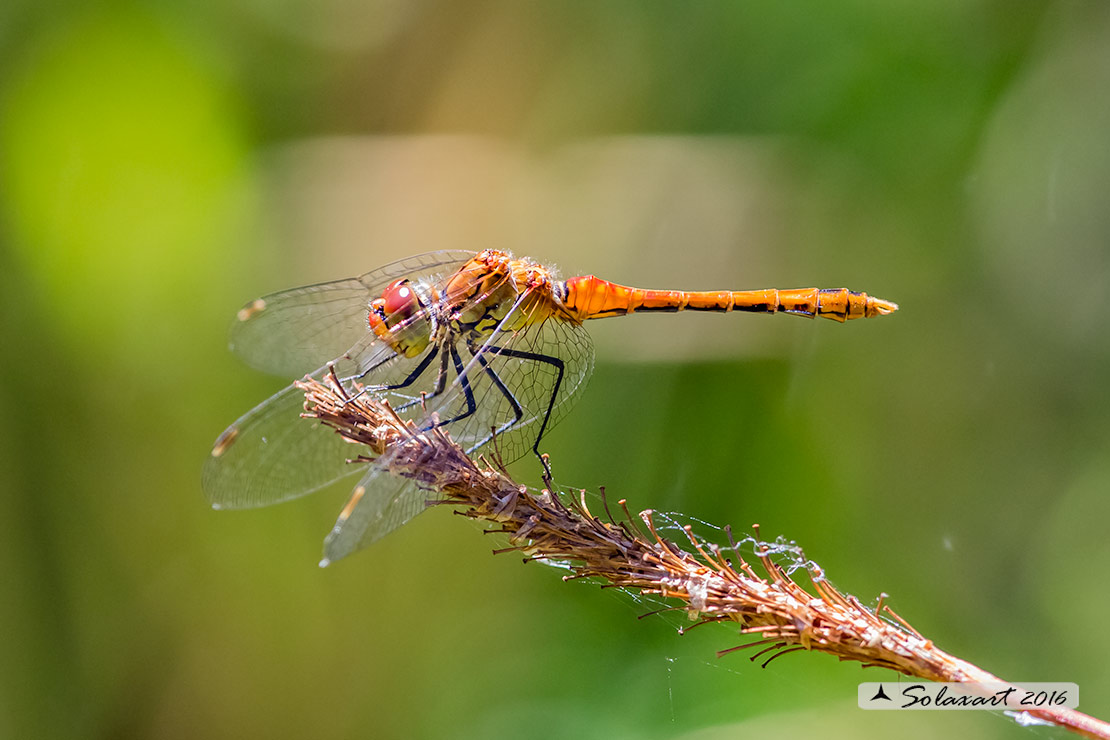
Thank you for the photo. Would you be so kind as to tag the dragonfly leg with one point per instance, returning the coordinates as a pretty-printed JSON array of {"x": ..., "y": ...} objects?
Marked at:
[
  {"x": 518, "y": 412},
  {"x": 468, "y": 393},
  {"x": 559, "y": 366},
  {"x": 409, "y": 380},
  {"x": 441, "y": 381}
]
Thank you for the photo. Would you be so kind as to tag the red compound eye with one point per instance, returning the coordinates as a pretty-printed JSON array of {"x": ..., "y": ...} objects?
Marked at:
[
  {"x": 397, "y": 320},
  {"x": 399, "y": 301}
]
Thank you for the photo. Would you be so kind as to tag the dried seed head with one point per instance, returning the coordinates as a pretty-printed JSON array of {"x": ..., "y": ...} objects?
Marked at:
[{"x": 786, "y": 614}]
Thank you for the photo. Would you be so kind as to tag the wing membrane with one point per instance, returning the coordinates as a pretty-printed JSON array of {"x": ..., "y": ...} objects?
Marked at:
[
  {"x": 292, "y": 332},
  {"x": 380, "y": 503},
  {"x": 270, "y": 454},
  {"x": 267, "y": 457}
]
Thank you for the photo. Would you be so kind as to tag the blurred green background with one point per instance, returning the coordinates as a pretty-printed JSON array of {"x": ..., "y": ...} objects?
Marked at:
[{"x": 161, "y": 164}]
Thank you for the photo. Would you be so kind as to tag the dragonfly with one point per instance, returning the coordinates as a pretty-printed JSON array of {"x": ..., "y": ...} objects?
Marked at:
[{"x": 485, "y": 345}]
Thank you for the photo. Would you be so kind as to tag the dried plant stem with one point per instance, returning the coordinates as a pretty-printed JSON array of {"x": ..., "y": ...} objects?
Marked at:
[{"x": 711, "y": 584}]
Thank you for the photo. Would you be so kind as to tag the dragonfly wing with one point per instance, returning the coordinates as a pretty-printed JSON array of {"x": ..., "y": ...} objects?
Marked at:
[
  {"x": 380, "y": 503},
  {"x": 295, "y": 331},
  {"x": 292, "y": 332},
  {"x": 515, "y": 382},
  {"x": 271, "y": 454}
]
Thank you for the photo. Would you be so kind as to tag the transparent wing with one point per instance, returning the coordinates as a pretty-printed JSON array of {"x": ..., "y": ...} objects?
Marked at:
[
  {"x": 295, "y": 331},
  {"x": 267, "y": 456},
  {"x": 380, "y": 503},
  {"x": 271, "y": 454},
  {"x": 517, "y": 385}
]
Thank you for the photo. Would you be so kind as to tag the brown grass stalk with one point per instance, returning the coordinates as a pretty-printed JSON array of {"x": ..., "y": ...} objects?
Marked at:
[{"x": 711, "y": 583}]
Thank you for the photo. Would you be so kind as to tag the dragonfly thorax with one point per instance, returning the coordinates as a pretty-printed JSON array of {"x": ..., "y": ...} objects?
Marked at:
[
  {"x": 400, "y": 319},
  {"x": 496, "y": 293}
]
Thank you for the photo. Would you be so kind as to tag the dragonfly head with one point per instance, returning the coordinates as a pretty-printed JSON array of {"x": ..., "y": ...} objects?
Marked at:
[{"x": 400, "y": 320}]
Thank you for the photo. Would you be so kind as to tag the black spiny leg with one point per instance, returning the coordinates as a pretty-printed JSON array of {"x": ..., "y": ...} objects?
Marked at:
[
  {"x": 409, "y": 380},
  {"x": 518, "y": 412},
  {"x": 556, "y": 363},
  {"x": 441, "y": 379},
  {"x": 460, "y": 371}
]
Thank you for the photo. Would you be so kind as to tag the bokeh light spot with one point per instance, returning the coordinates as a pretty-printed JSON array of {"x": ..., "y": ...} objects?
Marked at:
[{"x": 121, "y": 160}]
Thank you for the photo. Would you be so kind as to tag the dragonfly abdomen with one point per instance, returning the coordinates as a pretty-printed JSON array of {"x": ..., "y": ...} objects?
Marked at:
[{"x": 589, "y": 297}]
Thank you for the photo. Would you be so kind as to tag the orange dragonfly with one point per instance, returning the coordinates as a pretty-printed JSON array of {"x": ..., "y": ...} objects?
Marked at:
[{"x": 484, "y": 345}]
